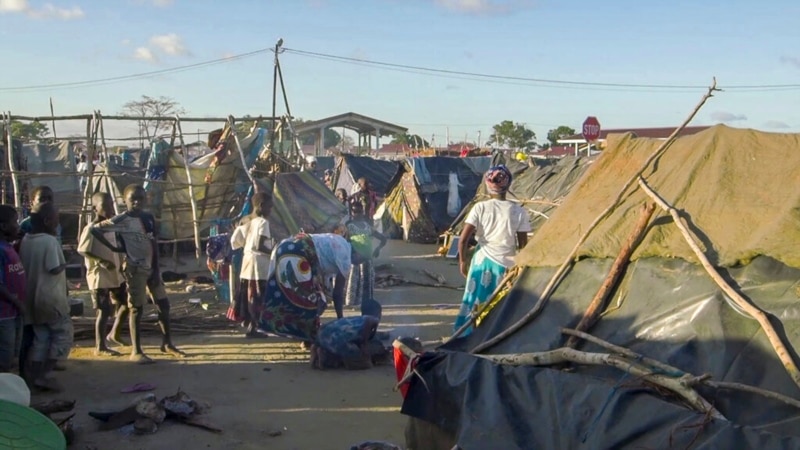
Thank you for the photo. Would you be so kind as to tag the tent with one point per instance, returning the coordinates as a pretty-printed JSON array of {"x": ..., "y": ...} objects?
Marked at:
[
  {"x": 736, "y": 190},
  {"x": 349, "y": 168},
  {"x": 539, "y": 187},
  {"x": 431, "y": 192},
  {"x": 302, "y": 201}
]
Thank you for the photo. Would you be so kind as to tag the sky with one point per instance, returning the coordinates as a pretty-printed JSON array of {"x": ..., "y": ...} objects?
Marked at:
[{"x": 594, "y": 58}]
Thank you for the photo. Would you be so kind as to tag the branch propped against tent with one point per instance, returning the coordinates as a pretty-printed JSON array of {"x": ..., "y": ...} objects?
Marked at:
[
  {"x": 232, "y": 125},
  {"x": 600, "y": 300},
  {"x": 562, "y": 355},
  {"x": 562, "y": 270},
  {"x": 667, "y": 369},
  {"x": 752, "y": 310}
]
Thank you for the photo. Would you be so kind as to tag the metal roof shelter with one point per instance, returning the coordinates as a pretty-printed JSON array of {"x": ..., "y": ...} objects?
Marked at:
[
  {"x": 366, "y": 127},
  {"x": 580, "y": 143}
]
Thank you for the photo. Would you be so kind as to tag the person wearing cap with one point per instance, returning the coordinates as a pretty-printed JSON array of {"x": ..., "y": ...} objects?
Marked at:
[{"x": 501, "y": 228}]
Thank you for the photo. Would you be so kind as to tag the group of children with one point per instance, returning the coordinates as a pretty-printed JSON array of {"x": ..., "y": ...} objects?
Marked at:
[{"x": 121, "y": 258}]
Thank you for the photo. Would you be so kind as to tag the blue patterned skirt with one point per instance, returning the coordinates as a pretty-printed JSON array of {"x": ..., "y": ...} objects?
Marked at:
[{"x": 482, "y": 279}]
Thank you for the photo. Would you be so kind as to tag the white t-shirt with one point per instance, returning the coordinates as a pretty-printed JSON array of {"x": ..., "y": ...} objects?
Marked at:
[
  {"x": 46, "y": 293},
  {"x": 255, "y": 264},
  {"x": 497, "y": 223}
]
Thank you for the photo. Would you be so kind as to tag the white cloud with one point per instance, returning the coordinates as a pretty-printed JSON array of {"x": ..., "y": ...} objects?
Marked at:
[
  {"x": 170, "y": 44},
  {"x": 125, "y": 42},
  {"x": 777, "y": 124},
  {"x": 483, "y": 7},
  {"x": 145, "y": 54},
  {"x": 48, "y": 11},
  {"x": 156, "y": 3},
  {"x": 724, "y": 116},
  {"x": 13, "y": 6}
]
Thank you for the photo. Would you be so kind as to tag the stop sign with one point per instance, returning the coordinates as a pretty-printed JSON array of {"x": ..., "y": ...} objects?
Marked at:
[{"x": 591, "y": 129}]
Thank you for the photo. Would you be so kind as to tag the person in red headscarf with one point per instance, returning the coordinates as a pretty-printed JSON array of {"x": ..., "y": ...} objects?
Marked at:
[{"x": 501, "y": 228}]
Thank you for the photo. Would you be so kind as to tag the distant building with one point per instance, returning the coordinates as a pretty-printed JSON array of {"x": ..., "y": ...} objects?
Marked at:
[{"x": 579, "y": 144}]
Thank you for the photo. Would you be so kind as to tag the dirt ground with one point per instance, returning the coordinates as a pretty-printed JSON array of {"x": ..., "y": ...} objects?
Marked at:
[{"x": 260, "y": 388}]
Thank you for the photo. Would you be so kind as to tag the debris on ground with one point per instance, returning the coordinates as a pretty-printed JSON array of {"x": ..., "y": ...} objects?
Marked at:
[
  {"x": 52, "y": 407},
  {"x": 146, "y": 413}
]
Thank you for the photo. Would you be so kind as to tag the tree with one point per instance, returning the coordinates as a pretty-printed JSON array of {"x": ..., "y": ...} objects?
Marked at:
[
  {"x": 512, "y": 135},
  {"x": 32, "y": 131},
  {"x": 559, "y": 133},
  {"x": 152, "y": 107},
  {"x": 412, "y": 140}
]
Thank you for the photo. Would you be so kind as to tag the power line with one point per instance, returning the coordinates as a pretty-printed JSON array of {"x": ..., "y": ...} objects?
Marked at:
[
  {"x": 543, "y": 81},
  {"x": 134, "y": 76}
]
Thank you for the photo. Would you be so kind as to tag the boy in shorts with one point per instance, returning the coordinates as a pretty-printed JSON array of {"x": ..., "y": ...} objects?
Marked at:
[
  {"x": 103, "y": 276},
  {"x": 138, "y": 234}
]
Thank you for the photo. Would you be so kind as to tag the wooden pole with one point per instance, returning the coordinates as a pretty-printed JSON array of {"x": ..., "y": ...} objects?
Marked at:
[
  {"x": 191, "y": 189},
  {"x": 752, "y": 310},
  {"x": 84, "y": 215},
  {"x": 53, "y": 122},
  {"x": 599, "y": 301},
  {"x": 104, "y": 148},
  {"x": 562, "y": 270},
  {"x": 172, "y": 207},
  {"x": 136, "y": 118},
  {"x": 11, "y": 166}
]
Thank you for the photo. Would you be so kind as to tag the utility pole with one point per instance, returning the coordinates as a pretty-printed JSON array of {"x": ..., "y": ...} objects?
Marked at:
[
  {"x": 479, "y": 139},
  {"x": 274, "y": 93}
]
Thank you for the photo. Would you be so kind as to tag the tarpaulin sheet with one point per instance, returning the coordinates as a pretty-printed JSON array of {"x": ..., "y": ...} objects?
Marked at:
[
  {"x": 381, "y": 174},
  {"x": 738, "y": 186},
  {"x": 57, "y": 162},
  {"x": 302, "y": 201},
  {"x": 539, "y": 188},
  {"x": 666, "y": 309}
]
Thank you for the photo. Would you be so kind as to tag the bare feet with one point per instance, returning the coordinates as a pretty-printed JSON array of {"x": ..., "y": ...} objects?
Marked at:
[
  {"x": 105, "y": 352},
  {"x": 172, "y": 350},
  {"x": 141, "y": 358},
  {"x": 112, "y": 340}
]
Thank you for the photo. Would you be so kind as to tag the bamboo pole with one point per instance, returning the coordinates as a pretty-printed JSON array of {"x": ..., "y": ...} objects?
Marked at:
[
  {"x": 89, "y": 177},
  {"x": 562, "y": 270},
  {"x": 754, "y": 311},
  {"x": 599, "y": 301},
  {"x": 191, "y": 189},
  {"x": 11, "y": 166}
]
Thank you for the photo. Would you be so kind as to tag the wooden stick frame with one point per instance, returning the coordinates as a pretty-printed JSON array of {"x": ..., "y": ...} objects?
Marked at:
[{"x": 752, "y": 310}]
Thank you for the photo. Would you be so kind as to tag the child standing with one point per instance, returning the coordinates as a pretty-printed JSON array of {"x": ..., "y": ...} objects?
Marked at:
[
  {"x": 47, "y": 307},
  {"x": 139, "y": 242},
  {"x": 103, "y": 276},
  {"x": 254, "y": 236},
  {"x": 12, "y": 289},
  {"x": 360, "y": 285}
]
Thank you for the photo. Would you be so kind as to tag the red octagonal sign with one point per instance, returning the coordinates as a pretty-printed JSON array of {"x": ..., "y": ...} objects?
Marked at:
[{"x": 591, "y": 129}]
